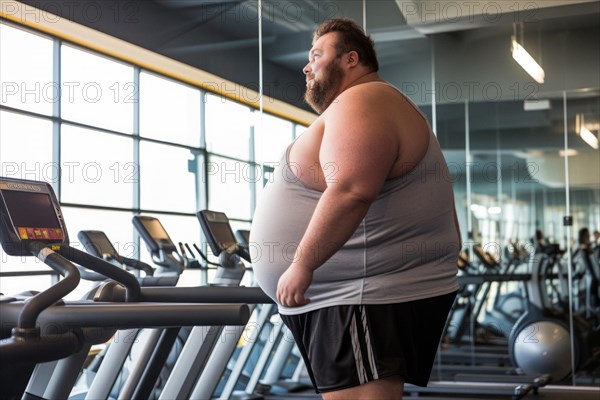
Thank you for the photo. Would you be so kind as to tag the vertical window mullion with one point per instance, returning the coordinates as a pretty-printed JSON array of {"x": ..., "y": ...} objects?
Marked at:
[
  {"x": 201, "y": 178},
  {"x": 136, "y": 154},
  {"x": 252, "y": 183},
  {"x": 56, "y": 114}
]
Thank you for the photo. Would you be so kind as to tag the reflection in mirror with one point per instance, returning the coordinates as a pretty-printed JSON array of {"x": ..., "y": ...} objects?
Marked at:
[{"x": 519, "y": 200}]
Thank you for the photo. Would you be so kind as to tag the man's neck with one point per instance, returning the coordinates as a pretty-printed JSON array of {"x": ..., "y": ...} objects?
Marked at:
[
  {"x": 356, "y": 79},
  {"x": 359, "y": 78}
]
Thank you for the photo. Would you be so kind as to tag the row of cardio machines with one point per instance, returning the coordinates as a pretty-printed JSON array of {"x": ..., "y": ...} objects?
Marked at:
[{"x": 45, "y": 340}]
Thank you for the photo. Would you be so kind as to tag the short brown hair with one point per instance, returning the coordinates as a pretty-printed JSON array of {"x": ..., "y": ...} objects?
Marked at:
[{"x": 352, "y": 37}]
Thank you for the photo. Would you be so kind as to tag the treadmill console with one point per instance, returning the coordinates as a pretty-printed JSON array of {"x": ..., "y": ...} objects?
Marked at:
[
  {"x": 215, "y": 226},
  {"x": 29, "y": 212},
  {"x": 97, "y": 244},
  {"x": 154, "y": 234}
]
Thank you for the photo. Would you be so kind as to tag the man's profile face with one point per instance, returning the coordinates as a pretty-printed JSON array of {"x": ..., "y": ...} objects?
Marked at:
[{"x": 323, "y": 73}]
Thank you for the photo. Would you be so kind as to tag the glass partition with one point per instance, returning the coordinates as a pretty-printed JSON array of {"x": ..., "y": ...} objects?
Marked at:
[
  {"x": 519, "y": 199},
  {"x": 510, "y": 144}
]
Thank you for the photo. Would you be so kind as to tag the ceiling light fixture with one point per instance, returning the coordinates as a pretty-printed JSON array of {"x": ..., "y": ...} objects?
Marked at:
[
  {"x": 525, "y": 60},
  {"x": 589, "y": 137},
  {"x": 536, "y": 105},
  {"x": 584, "y": 133}
]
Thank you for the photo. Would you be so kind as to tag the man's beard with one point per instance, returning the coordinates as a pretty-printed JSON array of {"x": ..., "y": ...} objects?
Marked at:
[{"x": 323, "y": 92}]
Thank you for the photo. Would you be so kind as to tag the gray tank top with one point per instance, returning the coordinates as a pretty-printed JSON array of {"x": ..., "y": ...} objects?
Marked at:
[{"x": 404, "y": 249}]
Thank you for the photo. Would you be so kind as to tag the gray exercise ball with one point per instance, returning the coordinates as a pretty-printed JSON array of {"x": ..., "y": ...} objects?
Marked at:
[{"x": 544, "y": 347}]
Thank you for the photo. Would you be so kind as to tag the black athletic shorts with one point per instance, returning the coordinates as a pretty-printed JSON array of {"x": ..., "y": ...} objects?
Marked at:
[{"x": 347, "y": 346}]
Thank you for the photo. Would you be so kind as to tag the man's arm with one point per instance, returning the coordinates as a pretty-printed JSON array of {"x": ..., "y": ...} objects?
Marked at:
[{"x": 360, "y": 144}]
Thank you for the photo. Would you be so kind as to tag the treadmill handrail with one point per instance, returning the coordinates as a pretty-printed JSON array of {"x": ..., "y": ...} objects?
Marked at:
[
  {"x": 38, "y": 350},
  {"x": 86, "y": 314},
  {"x": 207, "y": 294},
  {"x": 103, "y": 267},
  {"x": 137, "y": 264},
  {"x": 42, "y": 300},
  {"x": 198, "y": 294}
]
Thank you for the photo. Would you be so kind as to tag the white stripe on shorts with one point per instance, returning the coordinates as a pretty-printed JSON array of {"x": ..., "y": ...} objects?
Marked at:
[
  {"x": 368, "y": 343},
  {"x": 360, "y": 368}
]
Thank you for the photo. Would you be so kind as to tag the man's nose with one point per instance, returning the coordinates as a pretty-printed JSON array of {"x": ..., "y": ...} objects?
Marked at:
[{"x": 306, "y": 69}]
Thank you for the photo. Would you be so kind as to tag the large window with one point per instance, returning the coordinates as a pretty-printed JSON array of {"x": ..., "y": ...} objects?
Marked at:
[
  {"x": 226, "y": 134},
  {"x": 26, "y": 148},
  {"x": 26, "y": 78},
  {"x": 169, "y": 111},
  {"x": 97, "y": 168},
  {"x": 167, "y": 184},
  {"x": 229, "y": 185},
  {"x": 273, "y": 134},
  {"x": 96, "y": 90},
  {"x": 115, "y": 140}
]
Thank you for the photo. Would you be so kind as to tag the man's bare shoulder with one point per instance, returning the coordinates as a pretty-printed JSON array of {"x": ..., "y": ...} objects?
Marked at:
[
  {"x": 371, "y": 95},
  {"x": 369, "y": 111},
  {"x": 359, "y": 116},
  {"x": 367, "y": 102}
]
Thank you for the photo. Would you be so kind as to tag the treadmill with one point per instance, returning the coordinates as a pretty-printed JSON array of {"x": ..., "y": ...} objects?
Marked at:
[{"x": 54, "y": 335}]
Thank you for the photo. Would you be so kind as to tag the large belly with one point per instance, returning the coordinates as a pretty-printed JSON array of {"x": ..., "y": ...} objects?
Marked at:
[{"x": 279, "y": 222}]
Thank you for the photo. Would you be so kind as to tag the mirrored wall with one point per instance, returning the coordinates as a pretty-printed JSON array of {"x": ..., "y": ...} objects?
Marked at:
[{"x": 525, "y": 167}]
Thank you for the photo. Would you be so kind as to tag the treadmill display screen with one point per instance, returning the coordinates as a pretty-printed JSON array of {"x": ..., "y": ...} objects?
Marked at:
[
  {"x": 154, "y": 234},
  {"x": 223, "y": 235},
  {"x": 156, "y": 230},
  {"x": 97, "y": 243},
  {"x": 217, "y": 230},
  {"x": 33, "y": 215}
]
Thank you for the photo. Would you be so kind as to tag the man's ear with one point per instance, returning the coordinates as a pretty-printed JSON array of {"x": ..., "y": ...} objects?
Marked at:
[{"x": 352, "y": 58}]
